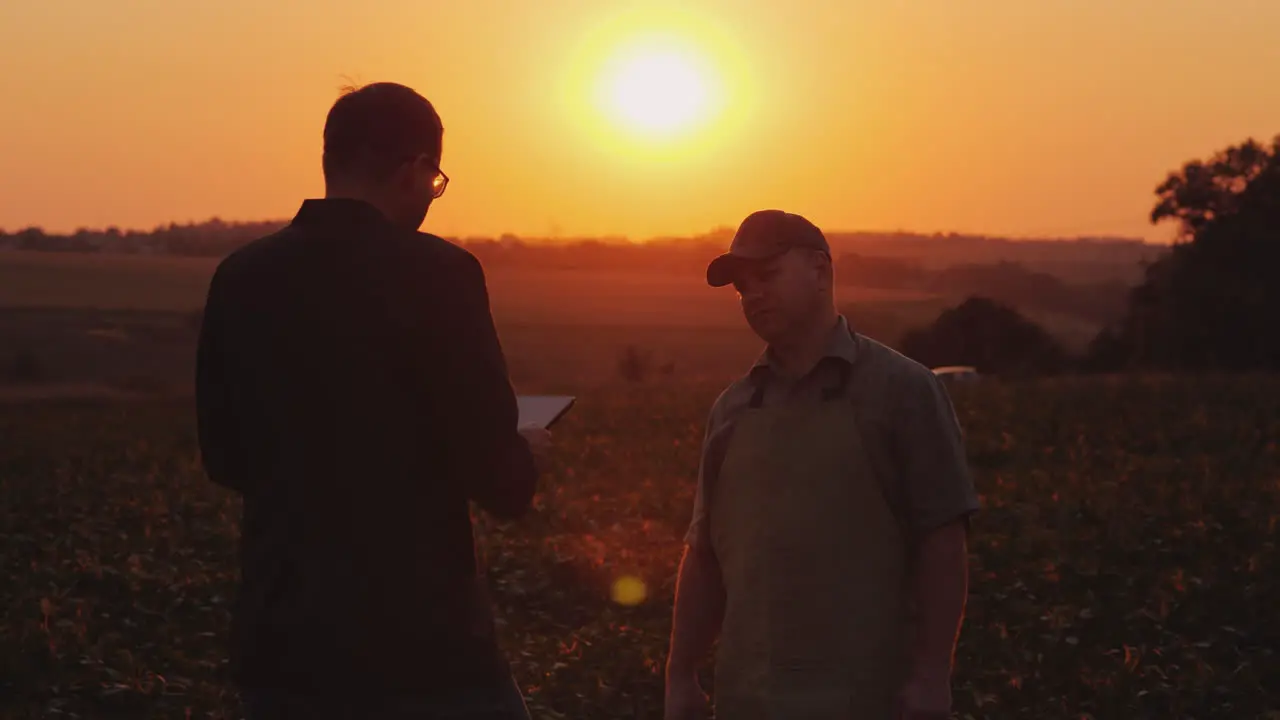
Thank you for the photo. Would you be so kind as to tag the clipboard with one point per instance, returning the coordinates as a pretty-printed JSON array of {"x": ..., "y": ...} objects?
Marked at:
[{"x": 542, "y": 410}]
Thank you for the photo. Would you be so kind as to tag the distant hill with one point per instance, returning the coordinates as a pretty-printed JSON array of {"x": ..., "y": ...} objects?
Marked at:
[{"x": 1074, "y": 260}]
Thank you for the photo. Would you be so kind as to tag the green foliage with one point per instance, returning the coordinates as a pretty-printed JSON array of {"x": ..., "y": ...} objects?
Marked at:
[{"x": 1124, "y": 564}]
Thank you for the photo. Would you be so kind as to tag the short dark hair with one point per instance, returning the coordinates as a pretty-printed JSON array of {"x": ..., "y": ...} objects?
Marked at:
[{"x": 370, "y": 130}]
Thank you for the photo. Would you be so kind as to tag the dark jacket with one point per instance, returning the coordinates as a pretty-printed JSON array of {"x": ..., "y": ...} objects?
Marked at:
[{"x": 351, "y": 386}]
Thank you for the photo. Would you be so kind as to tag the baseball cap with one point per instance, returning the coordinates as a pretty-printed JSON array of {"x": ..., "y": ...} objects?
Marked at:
[{"x": 765, "y": 234}]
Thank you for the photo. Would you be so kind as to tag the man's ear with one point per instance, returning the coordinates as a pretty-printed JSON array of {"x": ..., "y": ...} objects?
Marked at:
[
  {"x": 824, "y": 268},
  {"x": 411, "y": 174}
]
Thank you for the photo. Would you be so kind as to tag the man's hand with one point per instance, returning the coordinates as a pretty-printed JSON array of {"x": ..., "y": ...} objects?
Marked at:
[
  {"x": 926, "y": 698},
  {"x": 684, "y": 699}
]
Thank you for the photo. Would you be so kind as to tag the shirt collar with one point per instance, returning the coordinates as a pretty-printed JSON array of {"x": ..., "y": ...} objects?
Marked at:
[
  {"x": 841, "y": 345},
  {"x": 345, "y": 211}
]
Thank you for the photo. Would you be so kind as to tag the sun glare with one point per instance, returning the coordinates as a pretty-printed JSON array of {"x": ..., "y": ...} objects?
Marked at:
[
  {"x": 659, "y": 84},
  {"x": 658, "y": 91}
]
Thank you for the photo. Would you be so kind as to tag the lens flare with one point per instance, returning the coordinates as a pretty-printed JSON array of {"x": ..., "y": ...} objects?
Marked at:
[{"x": 629, "y": 590}]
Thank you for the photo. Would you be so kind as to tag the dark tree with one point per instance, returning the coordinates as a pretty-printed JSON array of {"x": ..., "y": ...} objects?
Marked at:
[
  {"x": 1212, "y": 303},
  {"x": 1204, "y": 190},
  {"x": 993, "y": 338}
]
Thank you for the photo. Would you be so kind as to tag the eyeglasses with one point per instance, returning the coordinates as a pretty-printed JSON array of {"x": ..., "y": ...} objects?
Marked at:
[{"x": 439, "y": 183}]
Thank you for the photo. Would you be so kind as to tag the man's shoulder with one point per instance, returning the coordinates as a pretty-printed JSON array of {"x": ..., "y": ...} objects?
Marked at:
[
  {"x": 885, "y": 366},
  {"x": 437, "y": 252},
  {"x": 730, "y": 403},
  {"x": 897, "y": 388},
  {"x": 254, "y": 253},
  {"x": 447, "y": 249}
]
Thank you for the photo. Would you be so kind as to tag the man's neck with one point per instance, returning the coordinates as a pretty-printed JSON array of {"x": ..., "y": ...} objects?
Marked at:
[
  {"x": 340, "y": 192},
  {"x": 796, "y": 357}
]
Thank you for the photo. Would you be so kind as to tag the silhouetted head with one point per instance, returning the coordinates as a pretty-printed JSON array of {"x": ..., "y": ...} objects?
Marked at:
[
  {"x": 382, "y": 144},
  {"x": 780, "y": 264}
]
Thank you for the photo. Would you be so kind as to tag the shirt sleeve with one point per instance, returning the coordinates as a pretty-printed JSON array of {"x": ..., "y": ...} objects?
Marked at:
[
  {"x": 697, "y": 536},
  {"x": 929, "y": 444},
  {"x": 714, "y": 445},
  {"x": 215, "y": 417},
  {"x": 488, "y": 456}
]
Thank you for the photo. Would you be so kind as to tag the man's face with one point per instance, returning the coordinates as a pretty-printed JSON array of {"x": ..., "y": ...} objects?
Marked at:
[{"x": 780, "y": 295}]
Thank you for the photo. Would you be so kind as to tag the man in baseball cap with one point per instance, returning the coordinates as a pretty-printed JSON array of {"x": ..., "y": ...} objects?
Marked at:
[
  {"x": 827, "y": 550},
  {"x": 765, "y": 235}
]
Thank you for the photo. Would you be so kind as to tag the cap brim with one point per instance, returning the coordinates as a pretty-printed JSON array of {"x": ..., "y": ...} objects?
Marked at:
[{"x": 723, "y": 269}]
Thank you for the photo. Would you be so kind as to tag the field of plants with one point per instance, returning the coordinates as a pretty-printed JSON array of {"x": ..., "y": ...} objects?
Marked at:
[
  {"x": 129, "y": 322},
  {"x": 1124, "y": 564}
]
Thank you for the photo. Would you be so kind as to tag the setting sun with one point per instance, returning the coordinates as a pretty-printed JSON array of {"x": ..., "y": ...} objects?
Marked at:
[{"x": 658, "y": 91}]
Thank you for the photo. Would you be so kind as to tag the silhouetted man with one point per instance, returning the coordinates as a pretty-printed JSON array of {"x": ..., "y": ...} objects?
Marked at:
[
  {"x": 827, "y": 548},
  {"x": 351, "y": 386}
]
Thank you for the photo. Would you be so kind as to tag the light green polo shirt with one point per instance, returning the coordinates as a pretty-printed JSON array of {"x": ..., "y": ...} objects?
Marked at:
[{"x": 908, "y": 424}]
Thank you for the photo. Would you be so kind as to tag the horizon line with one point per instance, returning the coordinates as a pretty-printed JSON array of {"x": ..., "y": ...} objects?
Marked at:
[{"x": 610, "y": 238}]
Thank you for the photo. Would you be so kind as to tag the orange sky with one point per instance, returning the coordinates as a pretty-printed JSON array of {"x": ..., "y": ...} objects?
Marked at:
[{"x": 1020, "y": 117}]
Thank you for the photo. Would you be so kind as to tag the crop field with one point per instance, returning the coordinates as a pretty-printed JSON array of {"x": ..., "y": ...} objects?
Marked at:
[
  {"x": 1124, "y": 564},
  {"x": 127, "y": 321}
]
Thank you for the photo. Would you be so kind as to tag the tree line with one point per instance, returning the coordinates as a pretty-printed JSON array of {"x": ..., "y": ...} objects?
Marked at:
[{"x": 1210, "y": 305}]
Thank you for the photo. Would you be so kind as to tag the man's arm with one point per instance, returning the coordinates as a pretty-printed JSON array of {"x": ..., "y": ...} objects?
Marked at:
[
  {"x": 700, "y": 595},
  {"x": 696, "y": 619},
  {"x": 486, "y": 453},
  {"x": 940, "y": 498},
  {"x": 215, "y": 421},
  {"x": 940, "y": 587},
  {"x": 698, "y": 613}
]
